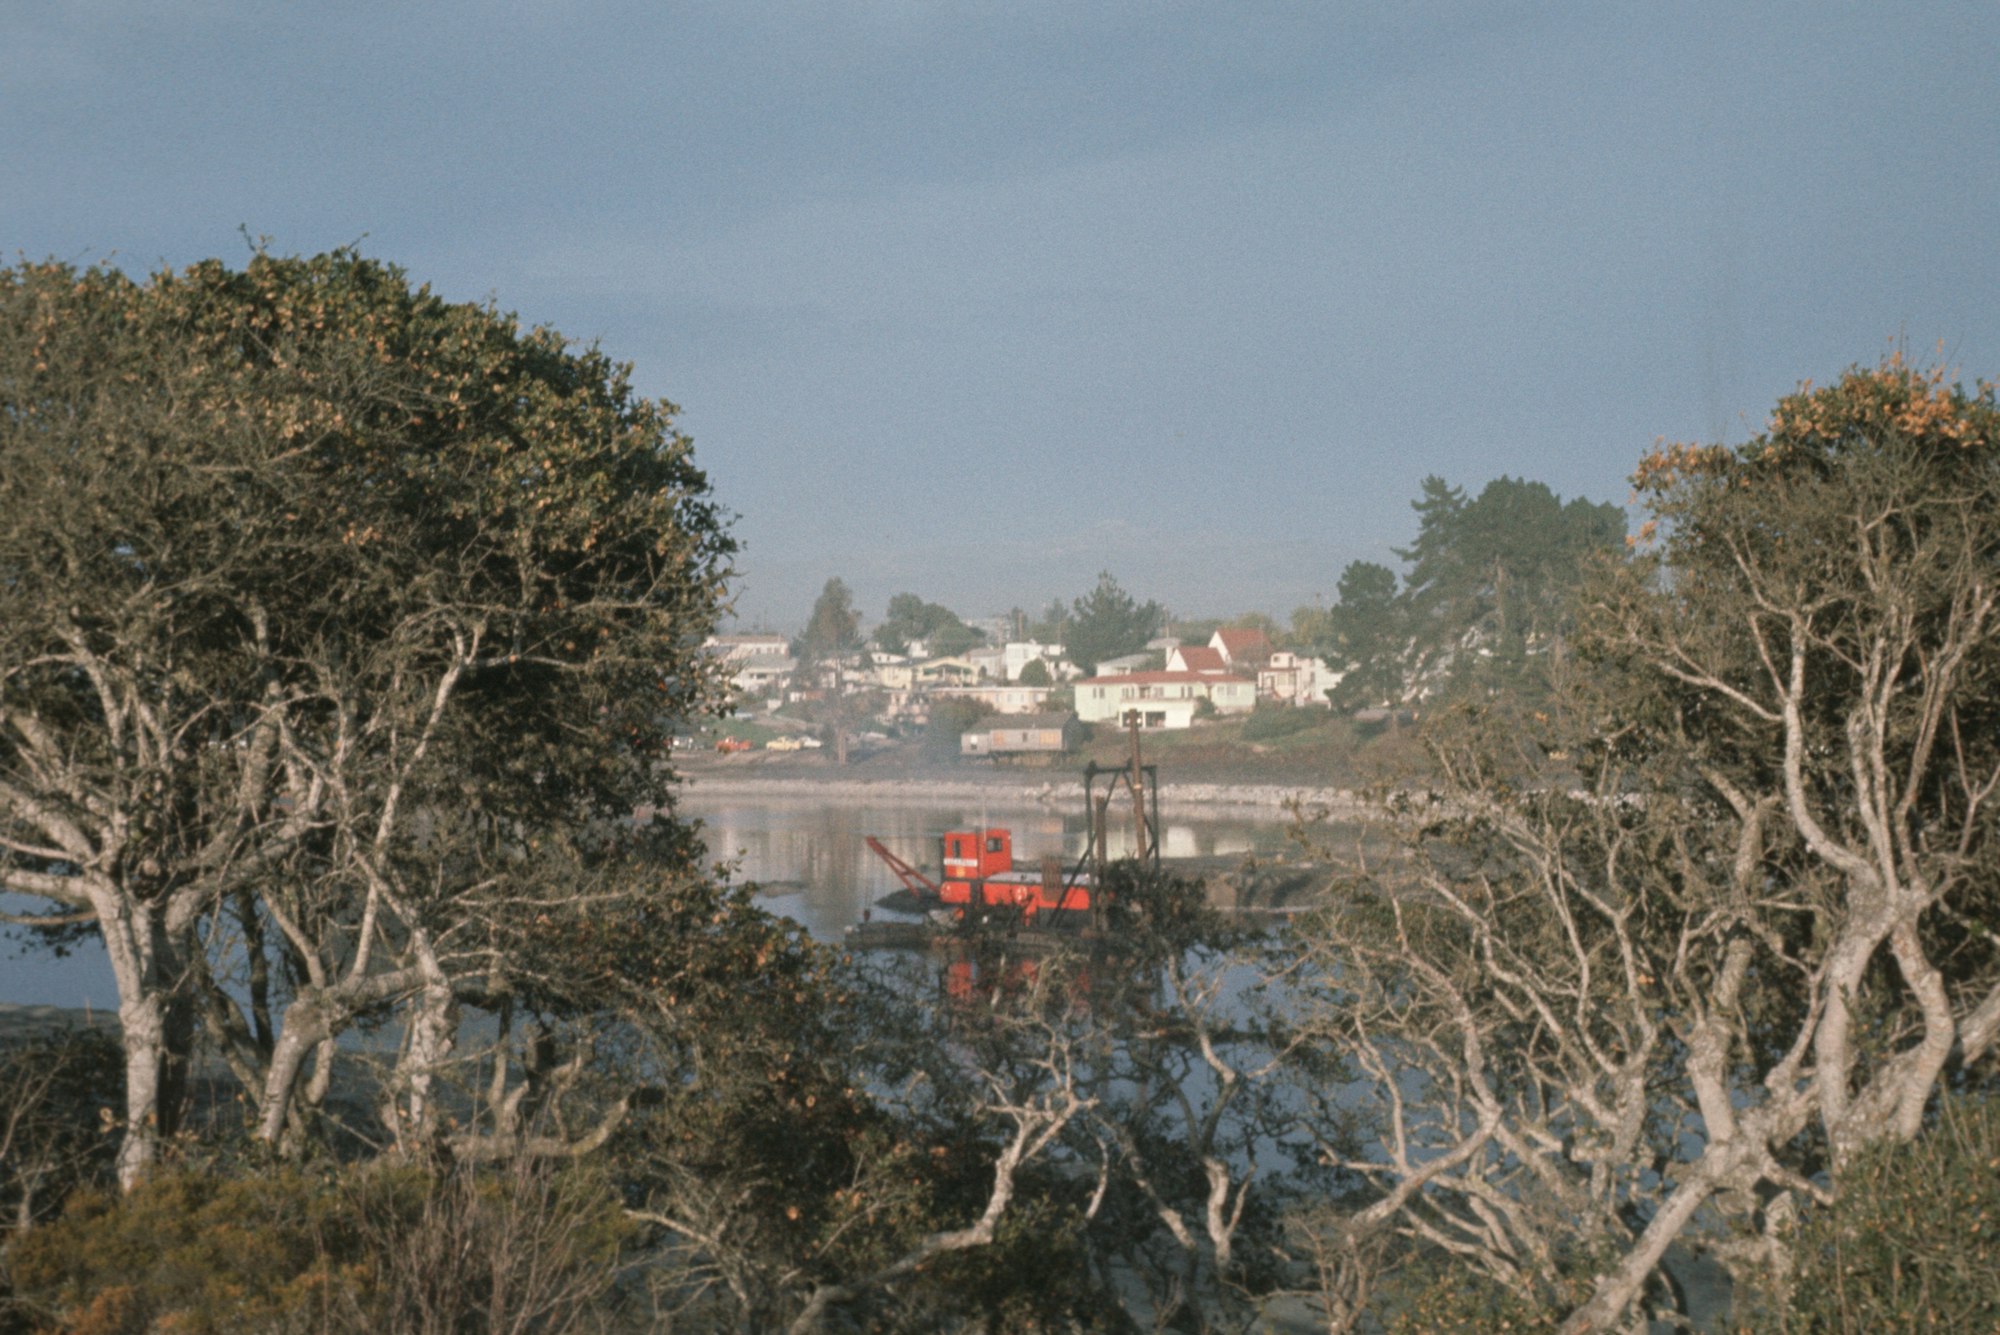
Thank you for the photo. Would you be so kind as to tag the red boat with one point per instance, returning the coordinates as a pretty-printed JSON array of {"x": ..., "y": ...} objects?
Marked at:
[{"x": 980, "y": 873}]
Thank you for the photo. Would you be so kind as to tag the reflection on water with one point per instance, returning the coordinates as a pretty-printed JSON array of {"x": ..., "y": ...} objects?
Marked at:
[{"x": 811, "y": 853}]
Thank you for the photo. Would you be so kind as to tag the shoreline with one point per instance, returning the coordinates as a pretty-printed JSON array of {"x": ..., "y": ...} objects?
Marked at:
[{"x": 1246, "y": 801}]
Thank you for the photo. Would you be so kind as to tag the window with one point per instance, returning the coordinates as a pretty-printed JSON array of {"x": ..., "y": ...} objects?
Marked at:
[{"x": 992, "y": 844}]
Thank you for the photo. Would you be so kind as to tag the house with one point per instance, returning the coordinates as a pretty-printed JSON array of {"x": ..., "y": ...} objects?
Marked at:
[
  {"x": 1024, "y": 734},
  {"x": 1244, "y": 650},
  {"x": 999, "y": 696},
  {"x": 760, "y": 674},
  {"x": 735, "y": 647},
  {"x": 1197, "y": 658},
  {"x": 944, "y": 672},
  {"x": 1162, "y": 699},
  {"x": 1111, "y": 667},
  {"x": 1017, "y": 654},
  {"x": 991, "y": 661},
  {"x": 1295, "y": 679}
]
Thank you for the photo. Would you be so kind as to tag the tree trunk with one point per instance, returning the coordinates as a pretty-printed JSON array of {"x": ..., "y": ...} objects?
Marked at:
[{"x": 156, "y": 1020}]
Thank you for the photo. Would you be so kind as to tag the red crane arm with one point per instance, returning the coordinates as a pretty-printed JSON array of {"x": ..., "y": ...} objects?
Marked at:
[{"x": 913, "y": 880}]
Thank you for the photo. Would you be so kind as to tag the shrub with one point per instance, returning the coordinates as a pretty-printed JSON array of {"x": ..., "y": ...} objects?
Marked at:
[
  {"x": 383, "y": 1248},
  {"x": 1270, "y": 722},
  {"x": 1910, "y": 1242},
  {"x": 59, "y": 1095}
]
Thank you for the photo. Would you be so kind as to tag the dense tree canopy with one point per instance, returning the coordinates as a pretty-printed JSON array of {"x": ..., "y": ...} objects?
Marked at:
[
  {"x": 937, "y": 626},
  {"x": 335, "y": 620},
  {"x": 1487, "y": 584}
]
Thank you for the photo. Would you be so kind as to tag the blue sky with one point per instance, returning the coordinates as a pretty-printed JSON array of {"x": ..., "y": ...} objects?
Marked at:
[{"x": 976, "y": 300}]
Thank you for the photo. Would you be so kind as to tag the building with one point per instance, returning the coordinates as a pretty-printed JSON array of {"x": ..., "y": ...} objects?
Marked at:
[
  {"x": 1024, "y": 734},
  {"x": 1197, "y": 658},
  {"x": 1162, "y": 699},
  {"x": 1244, "y": 650},
  {"x": 1295, "y": 679},
  {"x": 1017, "y": 654},
  {"x": 1111, "y": 667},
  {"x": 760, "y": 674},
  {"x": 734, "y": 647},
  {"x": 999, "y": 696},
  {"x": 943, "y": 672},
  {"x": 990, "y": 660}
]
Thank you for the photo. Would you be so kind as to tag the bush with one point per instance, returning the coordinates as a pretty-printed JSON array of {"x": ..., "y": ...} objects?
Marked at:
[
  {"x": 59, "y": 1098},
  {"x": 1910, "y": 1242},
  {"x": 1270, "y": 722},
  {"x": 384, "y": 1248}
]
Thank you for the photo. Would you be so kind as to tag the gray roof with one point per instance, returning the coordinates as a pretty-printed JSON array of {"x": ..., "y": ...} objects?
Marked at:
[{"x": 1021, "y": 722}]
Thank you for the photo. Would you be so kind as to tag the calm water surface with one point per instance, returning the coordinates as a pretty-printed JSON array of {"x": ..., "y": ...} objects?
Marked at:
[
  {"x": 811, "y": 854},
  {"x": 808, "y": 850}
]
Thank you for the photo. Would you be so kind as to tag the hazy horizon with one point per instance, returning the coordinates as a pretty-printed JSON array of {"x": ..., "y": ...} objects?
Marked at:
[{"x": 977, "y": 302}]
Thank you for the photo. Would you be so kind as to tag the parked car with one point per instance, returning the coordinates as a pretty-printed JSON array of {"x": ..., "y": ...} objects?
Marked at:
[
  {"x": 786, "y": 744},
  {"x": 731, "y": 745}
]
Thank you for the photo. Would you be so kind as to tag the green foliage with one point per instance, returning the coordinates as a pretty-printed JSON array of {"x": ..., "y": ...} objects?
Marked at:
[
  {"x": 948, "y": 721},
  {"x": 399, "y": 590},
  {"x": 834, "y": 629},
  {"x": 1108, "y": 622},
  {"x": 1911, "y": 1243},
  {"x": 1268, "y": 722},
  {"x": 1036, "y": 673},
  {"x": 1366, "y": 634},
  {"x": 911, "y": 618},
  {"x": 381, "y": 1248},
  {"x": 1486, "y": 585}
]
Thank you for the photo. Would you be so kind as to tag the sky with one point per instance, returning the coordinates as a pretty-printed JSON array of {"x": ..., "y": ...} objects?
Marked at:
[{"x": 977, "y": 300}]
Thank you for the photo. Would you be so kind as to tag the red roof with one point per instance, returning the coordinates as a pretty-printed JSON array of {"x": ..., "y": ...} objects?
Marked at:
[
  {"x": 1237, "y": 643},
  {"x": 1161, "y": 679},
  {"x": 1201, "y": 658}
]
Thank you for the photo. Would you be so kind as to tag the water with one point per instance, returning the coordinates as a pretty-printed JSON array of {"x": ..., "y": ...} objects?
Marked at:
[
  {"x": 810, "y": 853},
  {"x": 807, "y": 850}
]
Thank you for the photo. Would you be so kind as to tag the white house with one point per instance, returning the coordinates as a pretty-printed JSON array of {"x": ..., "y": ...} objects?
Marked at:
[
  {"x": 1017, "y": 654},
  {"x": 1161, "y": 699},
  {"x": 734, "y": 647},
  {"x": 759, "y": 674},
  {"x": 1197, "y": 658},
  {"x": 1295, "y": 679},
  {"x": 1245, "y": 650},
  {"x": 1001, "y": 697}
]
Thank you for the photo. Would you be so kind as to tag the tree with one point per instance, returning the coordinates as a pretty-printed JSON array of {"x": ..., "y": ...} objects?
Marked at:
[
  {"x": 1485, "y": 589},
  {"x": 1035, "y": 673},
  {"x": 337, "y": 627},
  {"x": 831, "y": 635},
  {"x": 1367, "y": 637},
  {"x": 1108, "y": 622},
  {"x": 911, "y": 618},
  {"x": 1710, "y": 927},
  {"x": 1493, "y": 575},
  {"x": 834, "y": 629}
]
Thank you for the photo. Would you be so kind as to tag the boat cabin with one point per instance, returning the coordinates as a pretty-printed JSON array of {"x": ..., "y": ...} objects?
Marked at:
[{"x": 979, "y": 872}]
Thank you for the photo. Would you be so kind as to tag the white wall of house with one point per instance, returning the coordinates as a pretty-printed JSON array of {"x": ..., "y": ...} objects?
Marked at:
[
  {"x": 1174, "y": 695},
  {"x": 1017, "y": 654},
  {"x": 1296, "y": 679},
  {"x": 1000, "y": 697}
]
